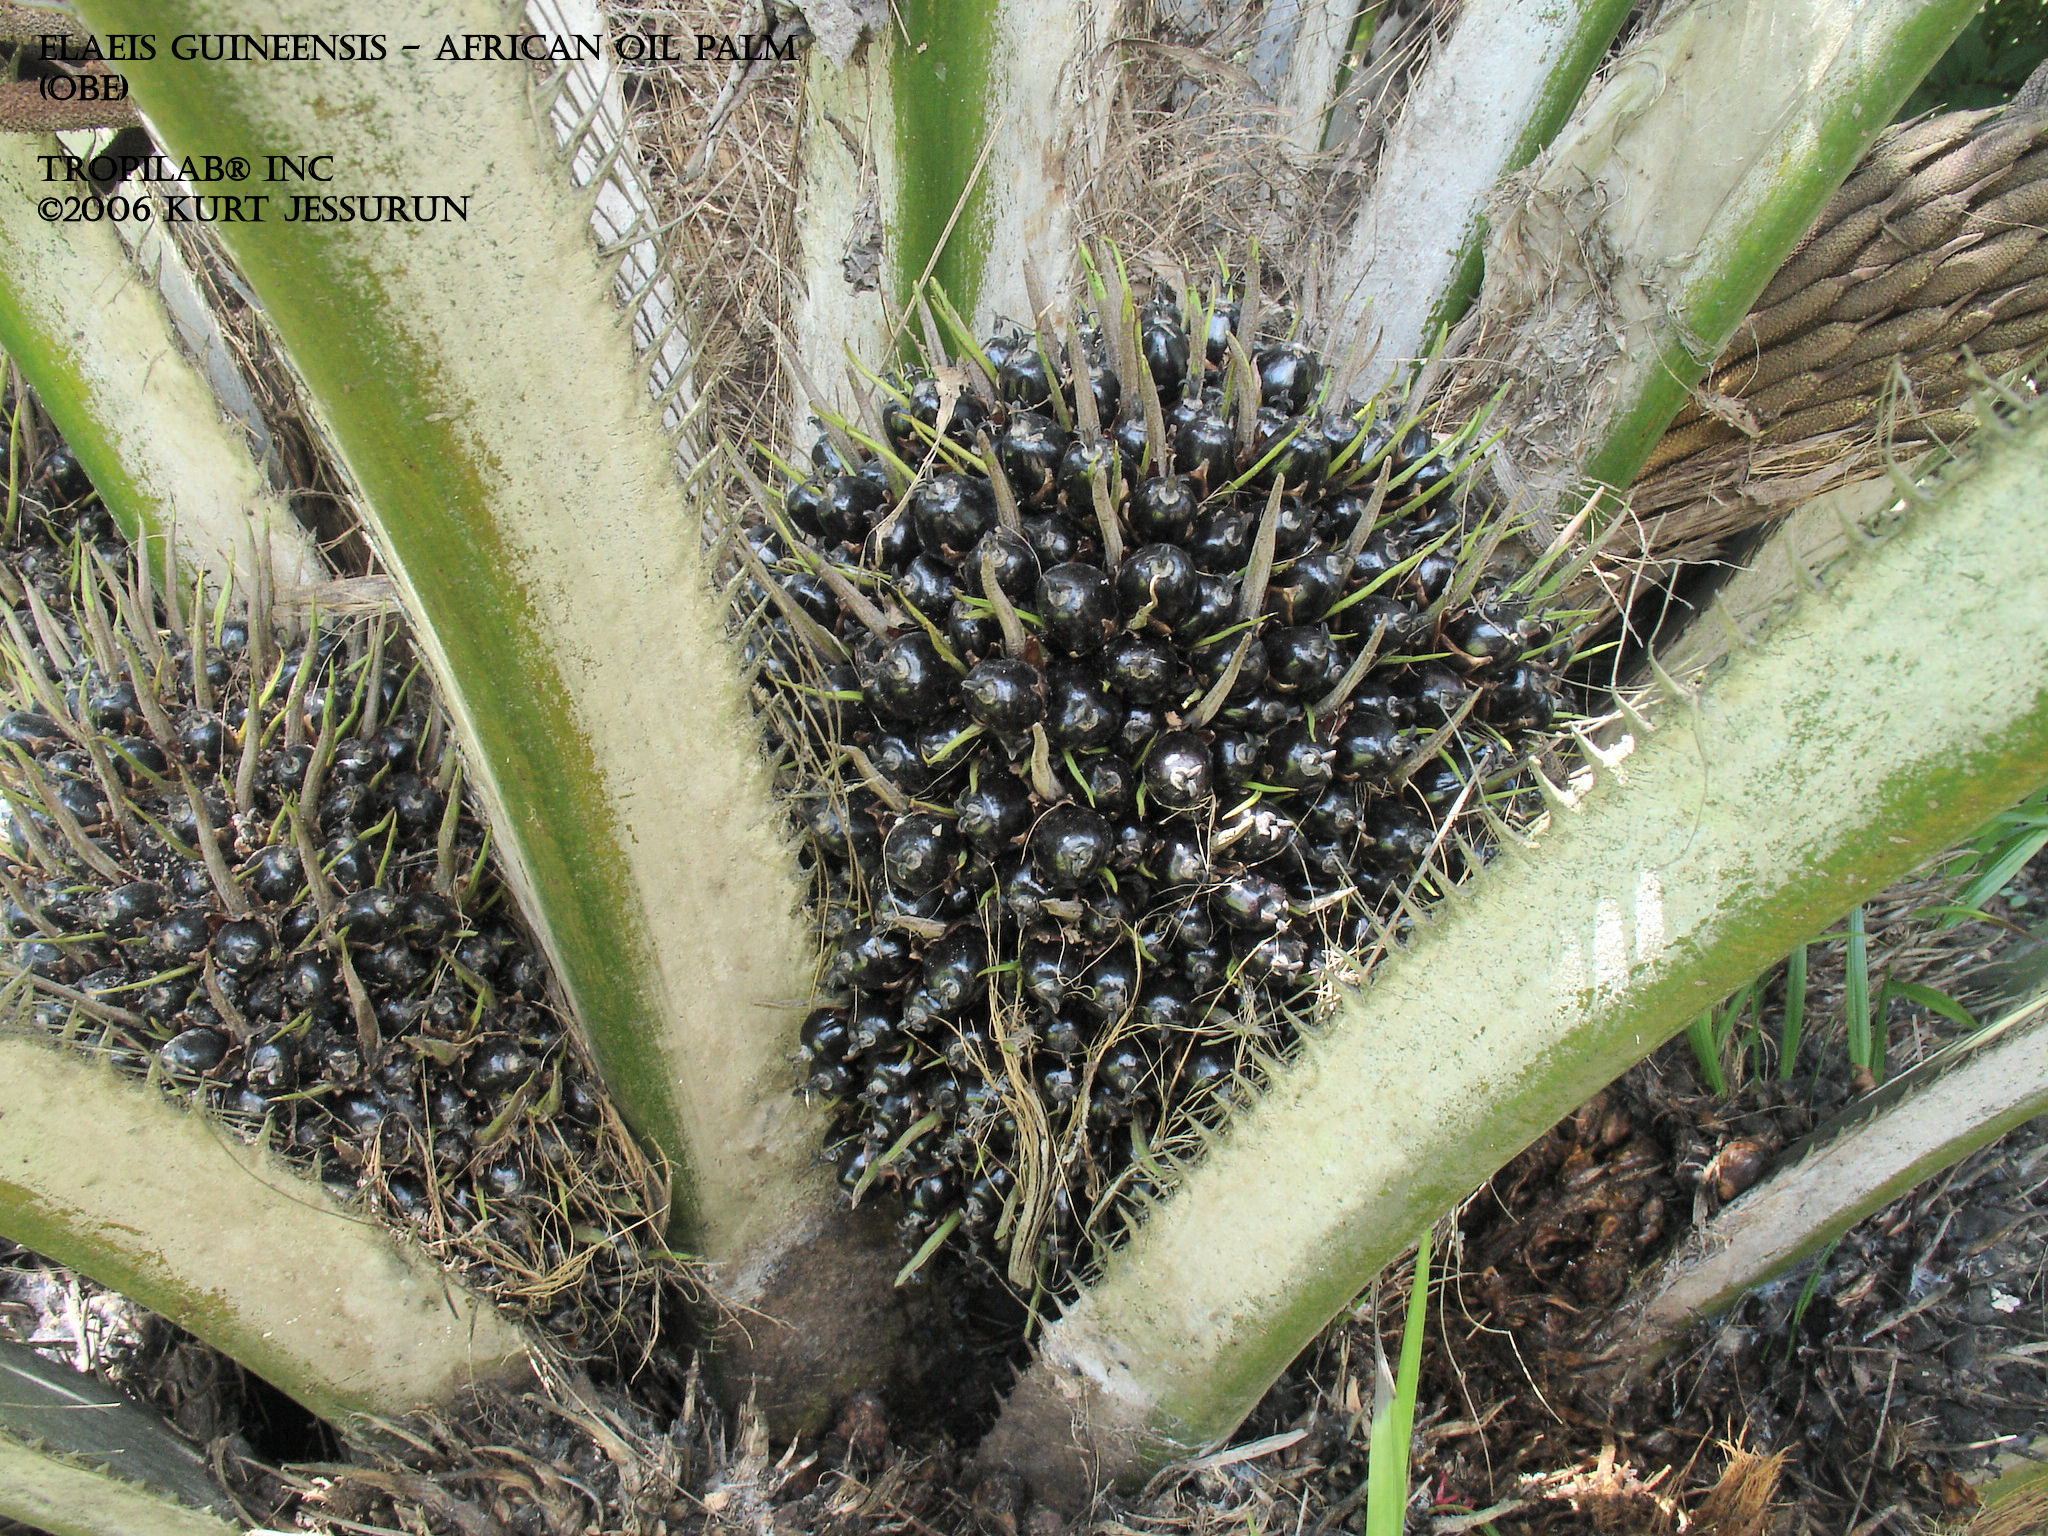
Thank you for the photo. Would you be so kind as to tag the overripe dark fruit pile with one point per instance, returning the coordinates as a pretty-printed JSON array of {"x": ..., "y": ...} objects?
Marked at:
[
  {"x": 255, "y": 880},
  {"x": 1137, "y": 718}
]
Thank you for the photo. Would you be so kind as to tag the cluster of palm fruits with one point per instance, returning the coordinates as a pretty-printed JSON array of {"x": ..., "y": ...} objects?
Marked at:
[
  {"x": 239, "y": 862},
  {"x": 1137, "y": 686}
]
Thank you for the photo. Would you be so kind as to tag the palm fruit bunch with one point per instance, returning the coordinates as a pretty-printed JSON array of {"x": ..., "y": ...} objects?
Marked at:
[
  {"x": 238, "y": 862},
  {"x": 1131, "y": 688}
]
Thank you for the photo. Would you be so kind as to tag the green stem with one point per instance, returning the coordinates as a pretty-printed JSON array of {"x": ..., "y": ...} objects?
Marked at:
[
  {"x": 1492, "y": 95},
  {"x": 941, "y": 93},
  {"x": 1861, "y": 94},
  {"x": 1641, "y": 236},
  {"x": 480, "y": 384}
]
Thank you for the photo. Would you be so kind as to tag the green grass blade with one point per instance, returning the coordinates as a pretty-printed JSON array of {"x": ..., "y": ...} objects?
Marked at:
[
  {"x": 1706, "y": 1051},
  {"x": 1934, "y": 1001},
  {"x": 1806, "y": 1294},
  {"x": 1386, "y": 1505},
  {"x": 1795, "y": 1012},
  {"x": 1856, "y": 992},
  {"x": 2007, "y": 860}
]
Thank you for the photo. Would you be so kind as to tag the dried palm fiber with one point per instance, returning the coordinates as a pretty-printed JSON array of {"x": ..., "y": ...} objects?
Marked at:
[{"x": 1928, "y": 270}]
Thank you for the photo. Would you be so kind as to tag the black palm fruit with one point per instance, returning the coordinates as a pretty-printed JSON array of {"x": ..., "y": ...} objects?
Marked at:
[
  {"x": 1162, "y": 509},
  {"x": 1290, "y": 450},
  {"x": 952, "y": 977},
  {"x": 1004, "y": 694},
  {"x": 1131, "y": 440},
  {"x": 1177, "y": 774},
  {"x": 1157, "y": 582},
  {"x": 1023, "y": 378},
  {"x": 994, "y": 813},
  {"x": 951, "y": 513},
  {"x": 928, "y": 586},
  {"x": 1030, "y": 451},
  {"x": 1206, "y": 451},
  {"x": 851, "y": 505},
  {"x": 972, "y": 632},
  {"x": 920, "y": 853},
  {"x": 1107, "y": 988},
  {"x": 1298, "y": 658},
  {"x": 1109, "y": 784},
  {"x": 1053, "y": 539},
  {"x": 1141, "y": 670},
  {"x": 1077, "y": 605},
  {"x": 1298, "y": 758},
  {"x": 1071, "y": 844},
  {"x": 1084, "y": 460},
  {"x": 1164, "y": 343},
  {"x": 1221, "y": 541},
  {"x": 1288, "y": 377},
  {"x": 1079, "y": 714},
  {"x": 1015, "y": 565},
  {"x": 286, "y": 994},
  {"x": 1304, "y": 592},
  {"x": 907, "y": 680}
]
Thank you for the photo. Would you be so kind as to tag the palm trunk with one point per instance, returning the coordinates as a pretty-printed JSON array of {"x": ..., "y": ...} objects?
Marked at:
[{"x": 1818, "y": 766}]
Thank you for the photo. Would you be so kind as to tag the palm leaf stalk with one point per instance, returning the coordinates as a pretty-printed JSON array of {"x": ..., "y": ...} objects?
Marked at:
[
  {"x": 114, "y": 1180},
  {"x": 1816, "y": 766},
  {"x": 1923, "y": 1121},
  {"x": 1600, "y": 352},
  {"x": 77, "y": 1459},
  {"x": 1301, "y": 61},
  {"x": 1494, "y": 93},
  {"x": 937, "y": 152},
  {"x": 481, "y": 388},
  {"x": 95, "y": 343}
]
